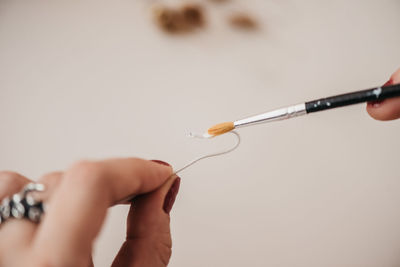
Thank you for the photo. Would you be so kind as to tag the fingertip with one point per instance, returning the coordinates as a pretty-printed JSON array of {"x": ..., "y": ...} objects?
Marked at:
[
  {"x": 388, "y": 109},
  {"x": 372, "y": 110},
  {"x": 161, "y": 162},
  {"x": 170, "y": 197},
  {"x": 154, "y": 201},
  {"x": 383, "y": 111},
  {"x": 163, "y": 167}
]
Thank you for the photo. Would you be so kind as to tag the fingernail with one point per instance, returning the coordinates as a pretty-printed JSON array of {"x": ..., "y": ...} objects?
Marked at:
[
  {"x": 161, "y": 162},
  {"x": 375, "y": 104},
  {"x": 390, "y": 82},
  {"x": 171, "y": 195}
]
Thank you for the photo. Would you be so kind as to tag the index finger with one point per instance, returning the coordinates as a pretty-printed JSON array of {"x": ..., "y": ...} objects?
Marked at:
[
  {"x": 79, "y": 205},
  {"x": 388, "y": 109}
]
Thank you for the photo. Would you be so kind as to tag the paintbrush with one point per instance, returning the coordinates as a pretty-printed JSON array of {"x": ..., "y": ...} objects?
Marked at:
[{"x": 374, "y": 94}]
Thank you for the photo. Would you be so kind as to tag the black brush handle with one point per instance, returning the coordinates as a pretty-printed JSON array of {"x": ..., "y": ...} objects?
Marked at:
[{"x": 373, "y": 94}]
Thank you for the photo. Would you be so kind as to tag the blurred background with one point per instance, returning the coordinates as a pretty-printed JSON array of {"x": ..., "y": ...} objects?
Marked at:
[{"x": 98, "y": 79}]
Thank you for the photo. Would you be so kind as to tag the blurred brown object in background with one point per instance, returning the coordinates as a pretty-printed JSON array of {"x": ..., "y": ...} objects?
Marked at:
[
  {"x": 193, "y": 15},
  {"x": 243, "y": 21},
  {"x": 168, "y": 19},
  {"x": 185, "y": 19},
  {"x": 219, "y": 1}
]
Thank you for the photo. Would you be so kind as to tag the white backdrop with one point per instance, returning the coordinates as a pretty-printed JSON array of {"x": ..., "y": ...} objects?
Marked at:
[{"x": 96, "y": 79}]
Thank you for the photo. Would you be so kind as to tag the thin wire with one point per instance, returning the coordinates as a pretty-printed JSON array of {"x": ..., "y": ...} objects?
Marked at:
[
  {"x": 213, "y": 154},
  {"x": 202, "y": 136}
]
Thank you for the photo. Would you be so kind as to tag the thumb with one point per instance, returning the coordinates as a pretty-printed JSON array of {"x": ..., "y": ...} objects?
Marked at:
[
  {"x": 148, "y": 241},
  {"x": 388, "y": 109}
]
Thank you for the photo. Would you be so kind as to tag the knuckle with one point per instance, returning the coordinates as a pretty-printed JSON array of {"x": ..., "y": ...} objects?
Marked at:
[
  {"x": 87, "y": 173},
  {"x": 8, "y": 177}
]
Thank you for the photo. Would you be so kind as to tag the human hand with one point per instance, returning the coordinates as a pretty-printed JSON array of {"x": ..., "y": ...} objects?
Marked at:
[
  {"x": 388, "y": 109},
  {"x": 76, "y": 203}
]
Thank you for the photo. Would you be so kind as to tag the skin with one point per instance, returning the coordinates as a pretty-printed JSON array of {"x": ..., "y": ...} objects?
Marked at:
[
  {"x": 389, "y": 109},
  {"x": 77, "y": 201}
]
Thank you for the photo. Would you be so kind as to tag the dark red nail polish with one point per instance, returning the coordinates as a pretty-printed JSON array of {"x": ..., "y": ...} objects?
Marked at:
[
  {"x": 171, "y": 195},
  {"x": 390, "y": 82},
  {"x": 160, "y": 162},
  {"x": 375, "y": 104}
]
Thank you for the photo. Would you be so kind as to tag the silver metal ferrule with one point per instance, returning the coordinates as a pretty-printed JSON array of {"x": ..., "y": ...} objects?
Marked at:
[{"x": 275, "y": 115}]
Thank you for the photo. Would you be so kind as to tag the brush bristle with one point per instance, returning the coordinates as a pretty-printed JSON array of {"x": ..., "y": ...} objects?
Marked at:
[{"x": 221, "y": 128}]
